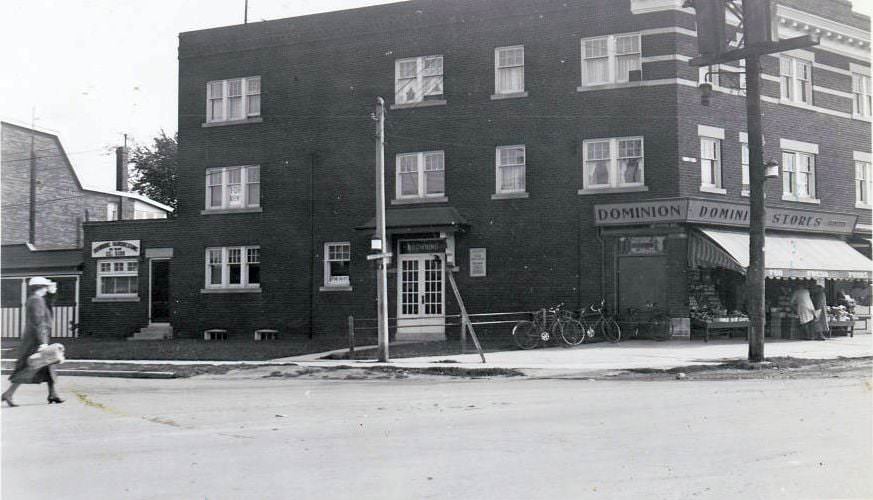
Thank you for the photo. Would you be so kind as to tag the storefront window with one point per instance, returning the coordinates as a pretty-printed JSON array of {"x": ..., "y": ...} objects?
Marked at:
[{"x": 117, "y": 278}]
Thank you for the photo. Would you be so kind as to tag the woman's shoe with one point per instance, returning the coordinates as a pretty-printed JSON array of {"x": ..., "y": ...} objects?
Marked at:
[
  {"x": 55, "y": 399},
  {"x": 8, "y": 401}
]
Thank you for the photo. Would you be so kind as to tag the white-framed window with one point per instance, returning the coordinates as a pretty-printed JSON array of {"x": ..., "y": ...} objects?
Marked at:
[
  {"x": 118, "y": 278},
  {"x": 510, "y": 173},
  {"x": 862, "y": 105},
  {"x": 744, "y": 165},
  {"x": 613, "y": 163},
  {"x": 610, "y": 59},
  {"x": 233, "y": 187},
  {"x": 233, "y": 99},
  {"x": 721, "y": 76},
  {"x": 233, "y": 267},
  {"x": 710, "y": 163},
  {"x": 421, "y": 175},
  {"x": 112, "y": 210},
  {"x": 798, "y": 175},
  {"x": 795, "y": 76},
  {"x": 863, "y": 179},
  {"x": 509, "y": 70},
  {"x": 418, "y": 78},
  {"x": 337, "y": 260}
]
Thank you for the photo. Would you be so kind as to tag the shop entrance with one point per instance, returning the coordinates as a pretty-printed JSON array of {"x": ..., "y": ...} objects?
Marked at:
[
  {"x": 642, "y": 283},
  {"x": 159, "y": 295},
  {"x": 421, "y": 296}
]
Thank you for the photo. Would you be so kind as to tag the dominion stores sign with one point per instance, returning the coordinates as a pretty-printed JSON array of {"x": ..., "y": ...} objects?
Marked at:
[{"x": 699, "y": 211}]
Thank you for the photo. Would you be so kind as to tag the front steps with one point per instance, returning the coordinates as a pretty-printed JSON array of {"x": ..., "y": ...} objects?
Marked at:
[{"x": 155, "y": 331}]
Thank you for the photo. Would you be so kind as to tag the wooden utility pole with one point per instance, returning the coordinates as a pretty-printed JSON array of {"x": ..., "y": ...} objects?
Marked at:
[
  {"x": 382, "y": 261},
  {"x": 755, "y": 274}
]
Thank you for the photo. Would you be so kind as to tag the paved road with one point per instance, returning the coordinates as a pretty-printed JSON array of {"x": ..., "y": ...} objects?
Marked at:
[{"x": 249, "y": 437}]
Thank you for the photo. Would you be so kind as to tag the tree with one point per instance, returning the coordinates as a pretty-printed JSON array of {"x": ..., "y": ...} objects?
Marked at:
[{"x": 154, "y": 169}]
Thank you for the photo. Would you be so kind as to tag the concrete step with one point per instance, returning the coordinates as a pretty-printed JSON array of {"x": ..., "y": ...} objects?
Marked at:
[{"x": 153, "y": 332}]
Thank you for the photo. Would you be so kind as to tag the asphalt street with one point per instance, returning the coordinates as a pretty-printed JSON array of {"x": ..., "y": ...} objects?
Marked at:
[{"x": 250, "y": 435}]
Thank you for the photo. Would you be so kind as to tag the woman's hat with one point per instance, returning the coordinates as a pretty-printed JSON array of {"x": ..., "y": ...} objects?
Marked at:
[{"x": 40, "y": 281}]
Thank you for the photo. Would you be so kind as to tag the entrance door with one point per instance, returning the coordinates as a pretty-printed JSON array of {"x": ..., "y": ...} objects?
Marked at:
[
  {"x": 642, "y": 281},
  {"x": 159, "y": 297},
  {"x": 421, "y": 297}
]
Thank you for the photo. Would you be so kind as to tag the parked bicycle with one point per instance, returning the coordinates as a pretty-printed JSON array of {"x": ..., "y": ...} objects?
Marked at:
[
  {"x": 548, "y": 326},
  {"x": 596, "y": 320},
  {"x": 648, "y": 322}
]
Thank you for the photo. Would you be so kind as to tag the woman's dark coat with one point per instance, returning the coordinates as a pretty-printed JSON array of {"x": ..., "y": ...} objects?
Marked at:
[{"x": 36, "y": 332}]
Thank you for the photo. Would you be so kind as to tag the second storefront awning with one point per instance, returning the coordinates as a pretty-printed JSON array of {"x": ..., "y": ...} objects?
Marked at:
[
  {"x": 786, "y": 256},
  {"x": 420, "y": 218}
]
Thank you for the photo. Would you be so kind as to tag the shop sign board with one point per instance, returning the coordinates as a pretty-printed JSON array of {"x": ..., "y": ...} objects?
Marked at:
[
  {"x": 118, "y": 248},
  {"x": 818, "y": 274},
  {"x": 422, "y": 246},
  {"x": 720, "y": 213},
  {"x": 478, "y": 263}
]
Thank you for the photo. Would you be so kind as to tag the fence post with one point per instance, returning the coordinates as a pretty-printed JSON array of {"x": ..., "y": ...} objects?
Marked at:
[
  {"x": 351, "y": 337},
  {"x": 463, "y": 336}
]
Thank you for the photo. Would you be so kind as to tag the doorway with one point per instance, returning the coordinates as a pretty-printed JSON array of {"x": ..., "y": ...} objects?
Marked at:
[
  {"x": 421, "y": 297},
  {"x": 159, "y": 294},
  {"x": 642, "y": 282}
]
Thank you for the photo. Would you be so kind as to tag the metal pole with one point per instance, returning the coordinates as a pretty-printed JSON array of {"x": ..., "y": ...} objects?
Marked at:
[
  {"x": 382, "y": 263},
  {"x": 757, "y": 210}
]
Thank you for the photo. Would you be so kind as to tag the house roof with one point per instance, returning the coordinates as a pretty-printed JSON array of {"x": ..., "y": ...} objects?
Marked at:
[{"x": 18, "y": 259}]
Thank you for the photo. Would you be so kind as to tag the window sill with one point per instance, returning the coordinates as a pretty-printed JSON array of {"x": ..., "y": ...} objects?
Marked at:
[
  {"x": 509, "y": 196},
  {"x": 420, "y": 104},
  {"x": 513, "y": 95},
  {"x": 335, "y": 288},
  {"x": 745, "y": 192},
  {"x": 213, "y": 211},
  {"x": 610, "y": 190},
  {"x": 609, "y": 86},
  {"x": 230, "y": 290},
  {"x": 228, "y": 123},
  {"x": 863, "y": 206},
  {"x": 115, "y": 299},
  {"x": 862, "y": 118},
  {"x": 415, "y": 201},
  {"x": 713, "y": 190},
  {"x": 813, "y": 201}
]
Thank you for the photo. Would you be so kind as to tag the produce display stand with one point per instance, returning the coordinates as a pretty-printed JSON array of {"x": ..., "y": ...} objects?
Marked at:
[
  {"x": 721, "y": 325},
  {"x": 848, "y": 326}
]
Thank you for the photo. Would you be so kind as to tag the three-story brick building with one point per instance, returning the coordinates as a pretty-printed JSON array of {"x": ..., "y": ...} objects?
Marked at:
[{"x": 543, "y": 152}]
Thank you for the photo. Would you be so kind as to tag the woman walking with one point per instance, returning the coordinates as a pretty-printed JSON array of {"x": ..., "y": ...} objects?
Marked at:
[{"x": 35, "y": 336}]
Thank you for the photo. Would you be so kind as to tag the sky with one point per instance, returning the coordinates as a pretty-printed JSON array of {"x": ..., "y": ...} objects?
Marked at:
[{"x": 94, "y": 70}]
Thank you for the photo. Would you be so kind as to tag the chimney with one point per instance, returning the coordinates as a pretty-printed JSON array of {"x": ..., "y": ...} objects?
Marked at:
[{"x": 121, "y": 169}]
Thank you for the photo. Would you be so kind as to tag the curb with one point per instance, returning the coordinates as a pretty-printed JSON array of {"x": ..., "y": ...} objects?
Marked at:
[{"x": 109, "y": 373}]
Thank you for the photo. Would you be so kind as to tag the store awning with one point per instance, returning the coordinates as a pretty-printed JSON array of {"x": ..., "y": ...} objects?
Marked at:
[
  {"x": 21, "y": 260},
  {"x": 786, "y": 256},
  {"x": 420, "y": 218}
]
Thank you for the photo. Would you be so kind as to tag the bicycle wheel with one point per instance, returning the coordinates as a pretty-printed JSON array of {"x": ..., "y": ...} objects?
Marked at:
[
  {"x": 526, "y": 334},
  {"x": 609, "y": 329},
  {"x": 572, "y": 333},
  {"x": 555, "y": 333}
]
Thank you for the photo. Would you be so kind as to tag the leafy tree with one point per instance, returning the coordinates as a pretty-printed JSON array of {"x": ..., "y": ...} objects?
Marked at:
[{"x": 154, "y": 169}]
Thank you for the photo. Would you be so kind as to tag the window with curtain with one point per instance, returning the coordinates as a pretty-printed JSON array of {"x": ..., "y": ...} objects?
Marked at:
[
  {"x": 744, "y": 165},
  {"x": 861, "y": 104},
  {"x": 233, "y": 187},
  {"x": 710, "y": 162},
  {"x": 233, "y": 100},
  {"x": 418, "y": 78},
  {"x": 798, "y": 175},
  {"x": 612, "y": 163},
  {"x": 511, "y": 169},
  {"x": 420, "y": 175},
  {"x": 233, "y": 267},
  {"x": 337, "y": 260},
  {"x": 509, "y": 70},
  {"x": 117, "y": 278},
  {"x": 610, "y": 59},
  {"x": 863, "y": 182},
  {"x": 795, "y": 76}
]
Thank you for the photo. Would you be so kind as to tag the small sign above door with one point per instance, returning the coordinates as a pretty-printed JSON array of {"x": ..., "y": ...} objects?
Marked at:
[
  {"x": 120, "y": 248},
  {"x": 422, "y": 246}
]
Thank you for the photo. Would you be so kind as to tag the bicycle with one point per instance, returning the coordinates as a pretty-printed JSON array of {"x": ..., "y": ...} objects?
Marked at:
[
  {"x": 601, "y": 322},
  {"x": 547, "y": 326},
  {"x": 649, "y": 322}
]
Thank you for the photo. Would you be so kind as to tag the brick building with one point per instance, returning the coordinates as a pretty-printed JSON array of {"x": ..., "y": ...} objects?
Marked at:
[
  {"x": 543, "y": 152},
  {"x": 44, "y": 208}
]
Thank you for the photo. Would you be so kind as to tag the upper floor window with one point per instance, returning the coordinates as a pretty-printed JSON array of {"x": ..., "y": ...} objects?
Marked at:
[
  {"x": 117, "y": 278},
  {"x": 233, "y": 267},
  {"x": 112, "y": 211},
  {"x": 863, "y": 179},
  {"x": 421, "y": 175},
  {"x": 610, "y": 59},
  {"x": 510, "y": 169},
  {"x": 798, "y": 175},
  {"x": 233, "y": 187},
  {"x": 234, "y": 99},
  {"x": 612, "y": 163},
  {"x": 862, "y": 97},
  {"x": 710, "y": 163},
  {"x": 795, "y": 77},
  {"x": 418, "y": 78},
  {"x": 337, "y": 257},
  {"x": 744, "y": 165},
  {"x": 509, "y": 70}
]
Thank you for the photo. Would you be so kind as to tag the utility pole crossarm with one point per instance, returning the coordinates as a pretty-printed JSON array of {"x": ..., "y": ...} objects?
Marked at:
[{"x": 757, "y": 49}]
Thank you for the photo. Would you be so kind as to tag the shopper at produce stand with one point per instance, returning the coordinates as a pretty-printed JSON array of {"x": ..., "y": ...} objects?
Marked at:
[
  {"x": 805, "y": 309},
  {"x": 819, "y": 301}
]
